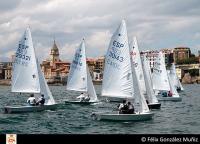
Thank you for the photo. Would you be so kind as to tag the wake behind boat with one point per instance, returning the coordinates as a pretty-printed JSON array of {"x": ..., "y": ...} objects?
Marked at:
[
  {"x": 79, "y": 79},
  {"x": 120, "y": 79},
  {"x": 28, "y": 78}
]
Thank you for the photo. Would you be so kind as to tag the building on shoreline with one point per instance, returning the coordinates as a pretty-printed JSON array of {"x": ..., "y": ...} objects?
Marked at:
[
  {"x": 54, "y": 69},
  {"x": 96, "y": 66}
]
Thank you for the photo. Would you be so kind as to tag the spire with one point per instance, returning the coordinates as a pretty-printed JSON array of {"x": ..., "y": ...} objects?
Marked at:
[{"x": 54, "y": 45}]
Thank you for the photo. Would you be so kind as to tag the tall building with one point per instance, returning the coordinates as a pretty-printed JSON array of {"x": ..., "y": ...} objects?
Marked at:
[
  {"x": 54, "y": 69},
  {"x": 181, "y": 53}
]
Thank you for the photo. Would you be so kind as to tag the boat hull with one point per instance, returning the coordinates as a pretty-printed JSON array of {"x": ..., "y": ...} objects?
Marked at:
[
  {"x": 175, "y": 99},
  {"x": 122, "y": 117},
  {"x": 23, "y": 109},
  {"x": 154, "y": 106},
  {"x": 116, "y": 99},
  {"x": 78, "y": 102}
]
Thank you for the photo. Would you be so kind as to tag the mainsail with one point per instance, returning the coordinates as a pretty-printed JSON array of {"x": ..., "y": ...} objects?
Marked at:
[
  {"x": 159, "y": 76},
  {"x": 148, "y": 81},
  {"x": 25, "y": 77},
  {"x": 174, "y": 77},
  {"x": 77, "y": 78},
  {"x": 137, "y": 63},
  {"x": 139, "y": 99},
  {"x": 172, "y": 87},
  {"x": 117, "y": 79}
]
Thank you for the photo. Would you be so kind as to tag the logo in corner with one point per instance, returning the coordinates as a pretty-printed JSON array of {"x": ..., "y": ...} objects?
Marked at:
[{"x": 11, "y": 139}]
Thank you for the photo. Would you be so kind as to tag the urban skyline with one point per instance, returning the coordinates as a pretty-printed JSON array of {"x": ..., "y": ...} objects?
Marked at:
[{"x": 157, "y": 24}]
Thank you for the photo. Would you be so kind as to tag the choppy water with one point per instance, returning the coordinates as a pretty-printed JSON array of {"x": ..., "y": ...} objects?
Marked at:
[{"x": 173, "y": 117}]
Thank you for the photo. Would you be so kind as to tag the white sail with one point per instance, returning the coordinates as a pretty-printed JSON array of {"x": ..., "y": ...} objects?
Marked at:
[
  {"x": 147, "y": 76},
  {"x": 174, "y": 77},
  {"x": 77, "y": 78},
  {"x": 49, "y": 100},
  {"x": 137, "y": 63},
  {"x": 159, "y": 76},
  {"x": 90, "y": 86},
  {"x": 172, "y": 87},
  {"x": 25, "y": 77},
  {"x": 180, "y": 85},
  {"x": 117, "y": 79},
  {"x": 139, "y": 99}
]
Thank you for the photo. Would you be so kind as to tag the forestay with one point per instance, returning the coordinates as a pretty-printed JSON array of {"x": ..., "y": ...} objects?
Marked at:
[
  {"x": 159, "y": 76},
  {"x": 137, "y": 63},
  {"x": 25, "y": 77},
  {"x": 117, "y": 79}
]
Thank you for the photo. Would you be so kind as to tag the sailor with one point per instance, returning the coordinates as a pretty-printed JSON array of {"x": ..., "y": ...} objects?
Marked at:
[
  {"x": 164, "y": 94},
  {"x": 170, "y": 94},
  {"x": 31, "y": 100},
  {"x": 84, "y": 97},
  {"x": 130, "y": 108},
  {"x": 41, "y": 101},
  {"x": 87, "y": 98},
  {"x": 122, "y": 107}
]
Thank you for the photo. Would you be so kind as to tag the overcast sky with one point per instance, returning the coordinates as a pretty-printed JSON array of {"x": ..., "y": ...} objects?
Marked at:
[{"x": 157, "y": 24}]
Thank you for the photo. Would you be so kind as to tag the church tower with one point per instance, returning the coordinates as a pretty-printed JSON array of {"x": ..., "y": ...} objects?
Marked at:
[{"x": 54, "y": 55}]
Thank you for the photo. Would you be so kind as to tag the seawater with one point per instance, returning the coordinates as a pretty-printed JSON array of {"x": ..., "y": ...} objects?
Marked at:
[{"x": 173, "y": 117}]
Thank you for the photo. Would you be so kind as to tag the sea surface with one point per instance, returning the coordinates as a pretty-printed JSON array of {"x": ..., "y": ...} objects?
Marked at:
[{"x": 173, "y": 117}]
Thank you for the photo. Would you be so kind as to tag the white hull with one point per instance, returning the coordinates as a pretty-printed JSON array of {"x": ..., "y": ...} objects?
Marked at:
[
  {"x": 23, "y": 109},
  {"x": 122, "y": 117},
  {"x": 79, "y": 102},
  {"x": 170, "y": 99},
  {"x": 117, "y": 99}
]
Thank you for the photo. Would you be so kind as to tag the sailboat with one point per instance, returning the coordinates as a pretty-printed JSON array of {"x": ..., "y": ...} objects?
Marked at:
[
  {"x": 151, "y": 97},
  {"x": 27, "y": 77},
  {"x": 159, "y": 75},
  {"x": 79, "y": 78},
  {"x": 143, "y": 74},
  {"x": 138, "y": 64},
  {"x": 175, "y": 79},
  {"x": 120, "y": 79},
  {"x": 162, "y": 82}
]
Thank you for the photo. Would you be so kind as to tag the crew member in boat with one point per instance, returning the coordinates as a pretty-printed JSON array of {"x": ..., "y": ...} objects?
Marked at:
[
  {"x": 41, "y": 100},
  {"x": 131, "y": 109},
  {"x": 123, "y": 107},
  {"x": 178, "y": 88},
  {"x": 84, "y": 97},
  {"x": 31, "y": 100},
  {"x": 164, "y": 94},
  {"x": 170, "y": 94}
]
